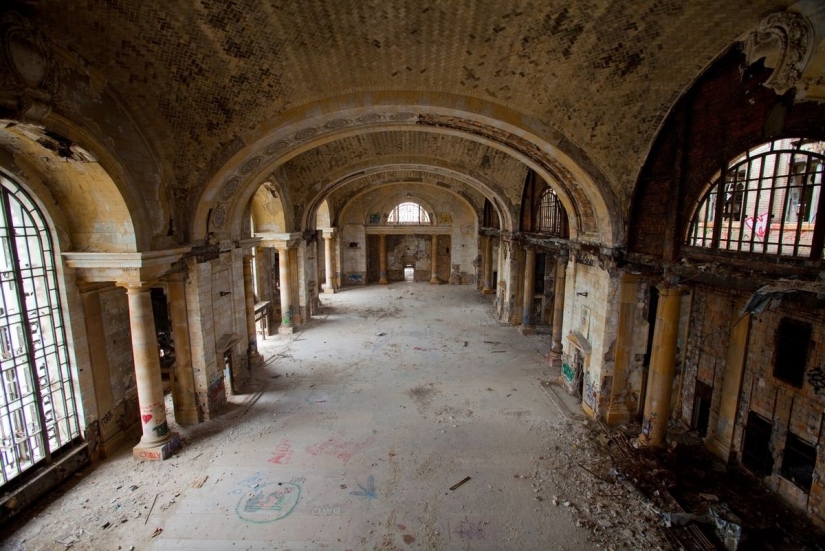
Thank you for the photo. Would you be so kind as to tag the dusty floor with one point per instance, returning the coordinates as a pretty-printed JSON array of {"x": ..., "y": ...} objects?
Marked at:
[{"x": 351, "y": 437}]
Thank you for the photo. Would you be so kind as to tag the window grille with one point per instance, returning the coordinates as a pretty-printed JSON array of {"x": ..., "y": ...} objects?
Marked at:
[
  {"x": 38, "y": 415},
  {"x": 551, "y": 218},
  {"x": 409, "y": 213},
  {"x": 770, "y": 201}
]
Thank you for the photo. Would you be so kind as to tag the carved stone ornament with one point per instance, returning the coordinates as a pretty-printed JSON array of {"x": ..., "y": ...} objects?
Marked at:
[
  {"x": 29, "y": 68},
  {"x": 786, "y": 40}
]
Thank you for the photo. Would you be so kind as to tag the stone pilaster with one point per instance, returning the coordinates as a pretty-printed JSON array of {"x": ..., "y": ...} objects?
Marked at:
[
  {"x": 287, "y": 324},
  {"x": 662, "y": 367},
  {"x": 185, "y": 401}
]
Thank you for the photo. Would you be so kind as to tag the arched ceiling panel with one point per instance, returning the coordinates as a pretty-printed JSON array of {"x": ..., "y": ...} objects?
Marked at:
[
  {"x": 74, "y": 184},
  {"x": 208, "y": 76}
]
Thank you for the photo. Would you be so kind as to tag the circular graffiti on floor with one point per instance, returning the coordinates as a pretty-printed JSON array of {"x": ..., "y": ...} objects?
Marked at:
[{"x": 268, "y": 503}]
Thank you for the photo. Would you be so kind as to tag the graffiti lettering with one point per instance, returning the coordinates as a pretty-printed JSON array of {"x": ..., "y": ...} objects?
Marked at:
[
  {"x": 338, "y": 447},
  {"x": 283, "y": 452}
]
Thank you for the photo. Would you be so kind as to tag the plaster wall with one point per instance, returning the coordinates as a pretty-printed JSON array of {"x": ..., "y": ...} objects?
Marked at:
[
  {"x": 591, "y": 312},
  {"x": 353, "y": 255}
]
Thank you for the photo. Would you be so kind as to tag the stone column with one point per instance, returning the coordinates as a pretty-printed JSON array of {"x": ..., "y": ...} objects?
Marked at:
[
  {"x": 617, "y": 412},
  {"x": 156, "y": 442},
  {"x": 329, "y": 288},
  {"x": 287, "y": 325},
  {"x": 662, "y": 367},
  {"x": 249, "y": 303},
  {"x": 382, "y": 259},
  {"x": 720, "y": 437},
  {"x": 488, "y": 266},
  {"x": 558, "y": 302},
  {"x": 434, "y": 276},
  {"x": 529, "y": 288},
  {"x": 186, "y": 405}
]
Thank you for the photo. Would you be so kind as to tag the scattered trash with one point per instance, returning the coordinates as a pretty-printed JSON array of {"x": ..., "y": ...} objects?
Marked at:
[
  {"x": 457, "y": 484},
  {"x": 153, "y": 506},
  {"x": 198, "y": 482}
]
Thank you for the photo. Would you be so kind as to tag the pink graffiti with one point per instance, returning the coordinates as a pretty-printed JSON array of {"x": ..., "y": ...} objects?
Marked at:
[
  {"x": 338, "y": 447},
  {"x": 760, "y": 224},
  {"x": 283, "y": 452}
]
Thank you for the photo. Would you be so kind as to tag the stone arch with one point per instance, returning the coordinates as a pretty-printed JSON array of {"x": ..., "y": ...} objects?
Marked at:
[
  {"x": 266, "y": 209},
  {"x": 323, "y": 216},
  {"x": 432, "y": 173},
  {"x": 89, "y": 212},
  {"x": 537, "y": 145}
]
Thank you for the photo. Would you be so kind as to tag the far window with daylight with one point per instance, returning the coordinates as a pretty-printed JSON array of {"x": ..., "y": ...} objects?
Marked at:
[
  {"x": 768, "y": 201},
  {"x": 551, "y": 217},
  {"x": 409, "y": 213}
]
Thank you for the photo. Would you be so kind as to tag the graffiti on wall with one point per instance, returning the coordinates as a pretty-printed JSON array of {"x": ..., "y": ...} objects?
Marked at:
[{"x": 816, "y": 378}]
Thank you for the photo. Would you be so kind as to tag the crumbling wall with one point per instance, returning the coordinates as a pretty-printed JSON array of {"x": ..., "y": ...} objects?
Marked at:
[{"x": 789, "y": 408}]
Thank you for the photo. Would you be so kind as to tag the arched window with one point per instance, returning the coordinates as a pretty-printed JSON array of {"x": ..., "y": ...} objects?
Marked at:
[
  {"x": 551, "y": 217},
  {"x": 409, "y": 213},
  {"x": 38, "y": 415},
  {"x": 769, "y": 202}
]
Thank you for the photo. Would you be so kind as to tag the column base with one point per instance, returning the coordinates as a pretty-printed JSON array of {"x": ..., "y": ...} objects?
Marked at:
[
  {"x": 187, "y": 416},
  {"x": 720, "y": 449},
  {"x": 286, "y": 329},
  {"x": 617, "y": 415},
  {"x": 329, "y": 291},
  {"x": 255, "y": 359},
  {"x": 159, "y": 451}
]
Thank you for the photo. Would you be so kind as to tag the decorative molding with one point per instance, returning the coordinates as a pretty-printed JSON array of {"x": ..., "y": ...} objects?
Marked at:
[
  {"x": 788, "y": 35},
  {"x": 31, "y": 69}
]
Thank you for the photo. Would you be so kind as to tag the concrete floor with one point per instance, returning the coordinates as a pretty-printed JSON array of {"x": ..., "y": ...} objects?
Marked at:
[{"x": 351, "y": 438}]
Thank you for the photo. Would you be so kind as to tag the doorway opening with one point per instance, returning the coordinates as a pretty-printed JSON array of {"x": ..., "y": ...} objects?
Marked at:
[{"x": 227, "y": 370}]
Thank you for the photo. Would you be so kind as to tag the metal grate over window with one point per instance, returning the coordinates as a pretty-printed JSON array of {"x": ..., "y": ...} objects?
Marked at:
[
  {"x": 770, "y": 201},
  {"x": 552, "y": 218},
  {"x": 38, "y": 415},
  {"x": 409, "y": 213}
]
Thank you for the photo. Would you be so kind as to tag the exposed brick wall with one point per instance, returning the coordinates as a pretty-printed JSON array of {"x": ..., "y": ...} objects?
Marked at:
[{"x": 721, "y": 116}]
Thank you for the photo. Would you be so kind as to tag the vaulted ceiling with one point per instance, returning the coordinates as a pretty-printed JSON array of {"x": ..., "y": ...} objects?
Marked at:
[{"x": 232, "y": 94}]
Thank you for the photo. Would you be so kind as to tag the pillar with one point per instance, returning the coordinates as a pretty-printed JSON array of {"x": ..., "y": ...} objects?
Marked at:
[
  {"x": 662, "y": 367},
  {"x": 185, "y": 401},
  {"x": 720, "y": 437},
  {"x": 488, "y": 266},
  {"x": 558, "y": 302},
  {"x": 617, "y": 412},
  {"x": 434, "y": 253},
  {"x": 287, "y": 325},
  {"x": 382, "y": 259},
  {"x": 529, "y": 287},
  {"x": 156, "y": 443},
  {"x": 249, "y": 303},
  {"x": 329, "y": 288}
]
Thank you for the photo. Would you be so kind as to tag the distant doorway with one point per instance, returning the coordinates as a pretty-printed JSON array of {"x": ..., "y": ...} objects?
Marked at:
[{"x": 409, "y": 273}]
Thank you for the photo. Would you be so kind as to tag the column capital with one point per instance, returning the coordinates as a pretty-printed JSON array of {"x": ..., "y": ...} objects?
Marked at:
[
  {"x": 279, "y": 240},
  {"x": 124, "y": 268}
]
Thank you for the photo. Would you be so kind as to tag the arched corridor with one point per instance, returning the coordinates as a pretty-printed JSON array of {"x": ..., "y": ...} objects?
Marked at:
[{"x": 228, "y": 192}]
